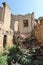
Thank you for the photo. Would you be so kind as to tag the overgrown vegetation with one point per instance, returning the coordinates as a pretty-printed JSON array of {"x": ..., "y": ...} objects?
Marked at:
[
  {"x": 3, "y": 59},
  {"x": 17, "y": 56}
]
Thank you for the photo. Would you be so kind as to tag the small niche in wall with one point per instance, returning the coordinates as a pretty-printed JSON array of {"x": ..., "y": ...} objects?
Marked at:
[{"x": 0, "y": 28}]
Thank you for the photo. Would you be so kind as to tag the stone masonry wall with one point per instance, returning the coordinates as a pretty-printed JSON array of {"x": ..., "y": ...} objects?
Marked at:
[{"x": 39, "y": 32}]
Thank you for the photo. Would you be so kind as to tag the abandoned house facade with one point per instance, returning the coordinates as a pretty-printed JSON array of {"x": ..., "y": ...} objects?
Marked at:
[{"x": 18, "y": 25}]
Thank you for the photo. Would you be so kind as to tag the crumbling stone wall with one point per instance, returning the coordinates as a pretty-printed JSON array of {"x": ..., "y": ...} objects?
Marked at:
[
  {"x": 39, "y": 31},
  {"x": 1, "y": 42},
  {"x": 6, "y": 33},
  {"x": 23, "y": 31}
]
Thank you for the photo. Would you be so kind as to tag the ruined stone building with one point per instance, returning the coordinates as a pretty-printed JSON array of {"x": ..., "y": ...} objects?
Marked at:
[
  {"x": 22, "y": 24},
  {"x": 10, "y": 24},
  {"x": 18, "y": 25}
]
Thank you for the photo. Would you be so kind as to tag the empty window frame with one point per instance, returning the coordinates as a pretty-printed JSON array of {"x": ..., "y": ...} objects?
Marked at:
[{"x": 25, "y": 23}]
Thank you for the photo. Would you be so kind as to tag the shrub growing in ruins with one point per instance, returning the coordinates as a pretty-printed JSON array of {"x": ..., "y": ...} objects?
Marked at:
[
  {"x": 23, "y": 57},
  {"x": 3, "y": 59}
]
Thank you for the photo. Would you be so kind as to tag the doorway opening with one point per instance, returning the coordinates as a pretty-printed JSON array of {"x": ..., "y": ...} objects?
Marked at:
[{"x": 4, "y": 40}]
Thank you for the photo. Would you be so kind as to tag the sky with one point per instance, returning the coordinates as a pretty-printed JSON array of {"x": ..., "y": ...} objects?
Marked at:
[{"x": 25, "y": 7}]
